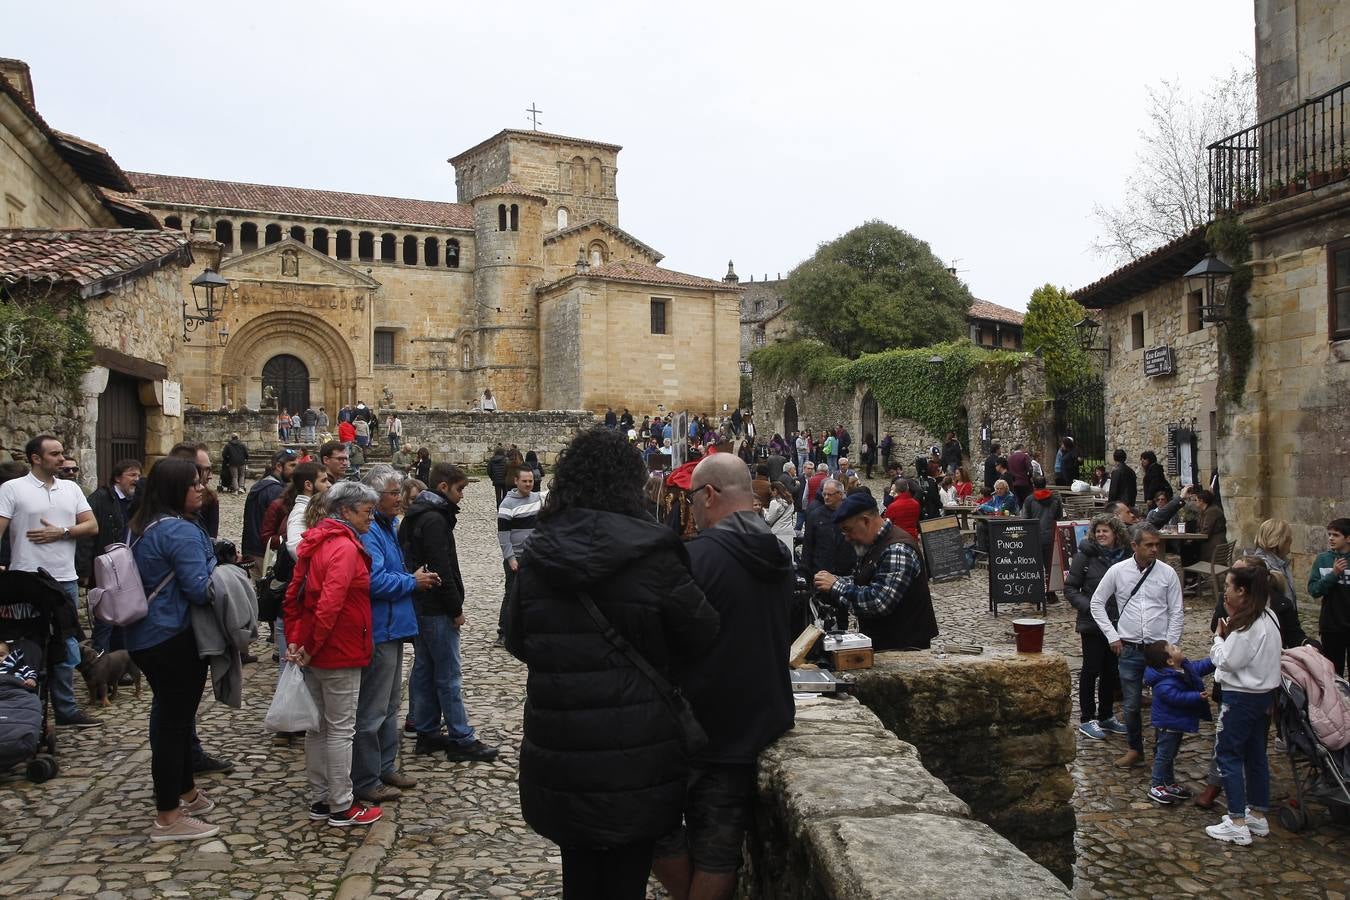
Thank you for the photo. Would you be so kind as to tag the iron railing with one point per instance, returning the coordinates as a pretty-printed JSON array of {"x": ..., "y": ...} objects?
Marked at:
[{"x": 1297, "y": 150}]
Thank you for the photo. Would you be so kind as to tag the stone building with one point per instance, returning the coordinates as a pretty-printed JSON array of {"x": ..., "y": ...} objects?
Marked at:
[
  {"x": 73, "y": 247},
  {"x": 1281, "y": 445},
  {"x": 526, "y": 286}
]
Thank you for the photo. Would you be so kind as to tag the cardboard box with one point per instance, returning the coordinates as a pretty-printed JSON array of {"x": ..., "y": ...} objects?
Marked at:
[{"x": 846, "y": 660}]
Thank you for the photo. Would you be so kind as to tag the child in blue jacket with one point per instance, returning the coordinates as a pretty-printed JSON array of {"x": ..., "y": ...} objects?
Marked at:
[{"x": 1180, "y": 701}]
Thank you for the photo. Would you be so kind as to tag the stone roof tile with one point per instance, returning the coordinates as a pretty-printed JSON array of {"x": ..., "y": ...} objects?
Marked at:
[
  {"x": 628, "y": 270},
  {"x": 87, "y": 258},
  {"x": 299, "y": 201},
  {"x": 511, "y": 188},
  {"x": 983, "y": 309}
]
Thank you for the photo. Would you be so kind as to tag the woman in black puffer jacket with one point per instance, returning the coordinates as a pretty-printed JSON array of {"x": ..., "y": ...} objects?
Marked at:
[
  {"x": 1106, "y": 544},
  {"x": 602, "y": 773}
]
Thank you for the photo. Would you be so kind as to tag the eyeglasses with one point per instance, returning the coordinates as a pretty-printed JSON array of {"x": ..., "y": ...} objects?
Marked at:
[{"x": 70, "y": 470}]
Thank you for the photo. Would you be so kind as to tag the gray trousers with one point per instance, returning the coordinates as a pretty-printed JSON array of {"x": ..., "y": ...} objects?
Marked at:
[
  {"x": 375, "y": 747},
  {"x": 328, "y": 750}
]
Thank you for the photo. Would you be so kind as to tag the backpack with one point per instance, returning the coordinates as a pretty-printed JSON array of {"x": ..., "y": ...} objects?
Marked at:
[{"x": 120, "y": 597}]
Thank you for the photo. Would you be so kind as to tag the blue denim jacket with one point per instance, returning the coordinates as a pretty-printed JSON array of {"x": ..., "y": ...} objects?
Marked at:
[
  {"x": 182, "y": 547},
  {"x": 392, "y": 617}
]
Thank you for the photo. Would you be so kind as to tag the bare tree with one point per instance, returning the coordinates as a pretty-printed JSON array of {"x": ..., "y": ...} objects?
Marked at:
[{"x": 1167, "y": 193}]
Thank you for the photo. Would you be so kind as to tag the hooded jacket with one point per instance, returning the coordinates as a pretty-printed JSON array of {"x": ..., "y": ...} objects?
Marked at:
[
  {"x": 391, "y": 587},
  {"x": 1086, "y": 572},
  {"x": 1177, "y": 704},
  {"x": 1045, "y": 506},
  {"x": 601, "y": 763},
  {"x": 332, "y": 620},
  {"x": 427, "y": 538},
  {"x": 747, "y": 576}
]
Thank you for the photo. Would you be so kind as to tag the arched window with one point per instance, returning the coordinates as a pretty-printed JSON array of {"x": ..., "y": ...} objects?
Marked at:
[
  {"x": 273, "y": 234},
  {"x": 562, "y": 217},
  {"x": 248, "y": 237},
  {"x": 225, "y": 234},
  {"x": 431, "y": 252},
  {"x": 388, "y": 248},
  {"x": 466, "y": 353},
  {"x": 320, "y": 240},
  {"x": 173, "y": 222},
  {"x": 409, "y": 250},
  {"x": 515, "y": 217},
  {"x": 599, "y": 253},
  {"x": 578, "y": 174},
  {"x": 365, "y": 246},
  {"x": 452, "y": 254},
  {"x": 344, "y": 244},
  {"x": 297, "y": 233},
  {"x": 593, "y": 182},
  {"x": 501, "y": 216}
]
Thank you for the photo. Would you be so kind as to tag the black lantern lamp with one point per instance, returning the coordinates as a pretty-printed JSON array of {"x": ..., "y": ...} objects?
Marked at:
[
  {"x": 936, "y": 362},
  {"x": 1212, "y": 277},
  {"x": 1087, "y": 329},
  {"x": 204, "y": 298}
]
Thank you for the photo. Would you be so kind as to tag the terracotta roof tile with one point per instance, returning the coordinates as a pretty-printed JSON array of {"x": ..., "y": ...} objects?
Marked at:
[
  {"x": 1169, "y": 261},
  {"x": 627, "y": 270},
  {"x": 298, "y": 201},
  {"x": 512, "y": 189},
  {"x": 983, "y": 309},
  {"x": 554, "y": 236},
  {"x": 88, "y": 258}
]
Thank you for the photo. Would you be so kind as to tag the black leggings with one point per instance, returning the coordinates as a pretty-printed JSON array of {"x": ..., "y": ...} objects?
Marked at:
[
  {"x": 1336, "y": 647},
  {"x": 1099, "y": 671},
  {"x": 176, "y": 675},
  {"x": 619, "y": 873}
]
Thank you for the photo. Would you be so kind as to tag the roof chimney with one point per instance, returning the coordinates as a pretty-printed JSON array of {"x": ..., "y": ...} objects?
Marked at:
[
  {"x": 951, "y": 270},
  {"x": 731, "y": 276},
  {"x": 16, "y": 72}
]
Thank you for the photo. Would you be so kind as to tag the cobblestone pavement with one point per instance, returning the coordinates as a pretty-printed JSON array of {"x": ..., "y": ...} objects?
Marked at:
[{"x": 460, "y": 835}]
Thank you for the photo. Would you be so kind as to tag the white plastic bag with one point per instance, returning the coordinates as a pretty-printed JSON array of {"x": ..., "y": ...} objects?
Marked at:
[{"x": 292, "y": 707}]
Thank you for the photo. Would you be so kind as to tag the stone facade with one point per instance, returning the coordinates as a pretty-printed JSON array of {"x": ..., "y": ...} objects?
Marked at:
[
  {"x": 1302, "y": 50},
  {"x": 846, "y": 810},
  {"x": 577, "y": 176},
  {"x": 465, "y": 438}
]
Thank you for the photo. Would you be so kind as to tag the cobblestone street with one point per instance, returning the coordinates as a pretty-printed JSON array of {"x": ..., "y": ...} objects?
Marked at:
[{"x": 459, "y": 833}]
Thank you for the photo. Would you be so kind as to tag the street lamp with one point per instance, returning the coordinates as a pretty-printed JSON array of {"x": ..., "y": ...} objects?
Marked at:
[
  {"x": 1212, "y": 276},
  {"x": 936, "y": 362},
  {"x": 204, "y": 288},
  {"x": 1087, "y": 330}
]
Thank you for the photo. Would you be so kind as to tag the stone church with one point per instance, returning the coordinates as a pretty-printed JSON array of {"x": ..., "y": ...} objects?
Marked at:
[{"x": 526, "y": 286}]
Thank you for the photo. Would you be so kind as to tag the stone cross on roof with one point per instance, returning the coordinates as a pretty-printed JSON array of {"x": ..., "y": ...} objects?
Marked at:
[{"x": 534, "y": 116}]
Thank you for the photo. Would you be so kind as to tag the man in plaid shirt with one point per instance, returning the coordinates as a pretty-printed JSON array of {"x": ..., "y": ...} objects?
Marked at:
[{"x": 888, "y": 590}]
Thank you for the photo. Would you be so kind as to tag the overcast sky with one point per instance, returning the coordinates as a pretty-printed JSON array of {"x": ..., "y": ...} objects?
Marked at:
[{"x": 751, "y": 131}]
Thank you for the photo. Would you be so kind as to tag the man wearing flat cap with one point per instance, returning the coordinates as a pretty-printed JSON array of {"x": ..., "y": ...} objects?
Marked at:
[{"x": 888, "y": 590}]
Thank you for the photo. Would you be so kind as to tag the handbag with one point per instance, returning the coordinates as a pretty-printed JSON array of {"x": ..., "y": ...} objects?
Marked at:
[{"x": 692, "y": 736}]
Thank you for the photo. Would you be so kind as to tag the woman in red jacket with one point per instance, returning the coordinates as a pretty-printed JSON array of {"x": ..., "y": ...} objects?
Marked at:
[{"x": 327, "y": 616}]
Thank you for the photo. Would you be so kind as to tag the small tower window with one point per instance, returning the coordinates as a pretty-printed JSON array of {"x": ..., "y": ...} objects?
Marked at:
[
  {"x": 297, "y": 233},
  {"x": 384, "y": 348},
  {"x": 431, "y": 252},
  {"x": 388, "y": 248},
  {"x": 562, "y": 217},
  {"x": 319, "y": 240},
  {"x": 248, "y": 237},
  {"x": 501, "y": 216},
  {"x": 344, "y": 244},
  {"x": 365, "y": 246},
  {"x": 515, "y": 217},
  {"x": 660, "y": 307},
  {"x": 466, "y": 353},
  {"x": 409, "y": 250},
  {"x": 273, "y": 234},
  {"x": 452, "y": 254}
]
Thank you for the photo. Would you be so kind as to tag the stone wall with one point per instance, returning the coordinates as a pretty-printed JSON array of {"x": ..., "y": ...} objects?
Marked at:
[
  {"x": 460, "y": 437},
  {"x": 995, "y": 730},
  {"x": 1015, "y": 407},
  {"x": 845, "y": 810}
]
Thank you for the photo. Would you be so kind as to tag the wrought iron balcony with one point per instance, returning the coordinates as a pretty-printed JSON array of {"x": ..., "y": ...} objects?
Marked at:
[{"x": 1300, "y": 149}]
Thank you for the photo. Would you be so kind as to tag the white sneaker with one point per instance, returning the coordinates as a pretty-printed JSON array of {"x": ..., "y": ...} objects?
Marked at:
[
  {"x": 1259, "y": 827},
  {"x": 1233, "y": 834},
  {"x": 184, "y": 828}
]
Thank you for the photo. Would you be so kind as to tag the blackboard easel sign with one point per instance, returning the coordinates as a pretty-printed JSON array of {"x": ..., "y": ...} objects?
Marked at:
[
  {"x": 944, "y": 548},
  {"x": 1016, "y": 573}
]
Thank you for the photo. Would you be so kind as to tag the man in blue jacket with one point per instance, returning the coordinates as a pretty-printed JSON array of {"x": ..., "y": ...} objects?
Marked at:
[{"x": 375, "y": 776}]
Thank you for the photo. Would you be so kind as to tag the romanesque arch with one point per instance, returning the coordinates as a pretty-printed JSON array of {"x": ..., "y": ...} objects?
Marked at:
[{"x": 311, "y": 340}]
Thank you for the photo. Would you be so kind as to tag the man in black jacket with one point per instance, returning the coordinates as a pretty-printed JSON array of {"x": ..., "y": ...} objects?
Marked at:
[
  {"x": 427, "y": 538},
  {"x": 496, "y": 471},
  {"x": 235, "y": 457},
  {"x": 991, "y": 468},
  {"x": 746, "y": 574},
  {"x": 111, "y": 504},
  {"x": 1124, "y": 484},
  {"x": 1155, "y": 478},
  {"x": 260, "y": 496}
]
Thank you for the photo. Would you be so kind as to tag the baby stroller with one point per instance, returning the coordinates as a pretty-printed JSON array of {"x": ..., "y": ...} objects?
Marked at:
[
  {"x": 1320, "y": 774},
  {"x": 30, "y": 613}
]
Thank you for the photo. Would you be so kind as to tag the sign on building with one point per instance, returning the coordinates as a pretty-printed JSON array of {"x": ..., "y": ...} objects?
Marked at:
[
  {"x": 1159, "y": 361},
  {"x": 173, "y": 399}
]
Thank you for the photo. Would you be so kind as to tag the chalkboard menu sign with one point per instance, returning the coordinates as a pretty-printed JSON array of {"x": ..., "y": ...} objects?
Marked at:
[
  {"x": 1159, "y": 361},
  {"x": 1015, "y": 571},
  {"x": 944, "y": 550}
]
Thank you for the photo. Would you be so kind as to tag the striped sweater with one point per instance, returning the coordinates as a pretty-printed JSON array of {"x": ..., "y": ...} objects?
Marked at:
[{"x": 516, "y": 519}]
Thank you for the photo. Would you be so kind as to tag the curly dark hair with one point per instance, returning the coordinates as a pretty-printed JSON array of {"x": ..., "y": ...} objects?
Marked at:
[{"x": 598, "y": 470}]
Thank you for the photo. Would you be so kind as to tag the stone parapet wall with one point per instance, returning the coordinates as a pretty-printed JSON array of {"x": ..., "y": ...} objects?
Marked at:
[
  {"x": 995, "y": 730},
  {"x": 846, "y": 810},
  {"x": 466, "y": 438}
]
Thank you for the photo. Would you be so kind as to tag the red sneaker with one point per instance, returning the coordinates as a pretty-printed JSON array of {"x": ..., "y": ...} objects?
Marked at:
[{"x": 356, "y": 814}]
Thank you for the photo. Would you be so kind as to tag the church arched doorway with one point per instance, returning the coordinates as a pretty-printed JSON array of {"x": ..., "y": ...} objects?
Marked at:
[
  {"x": 789, "y": 417},
  {"x": 869, "y": 415},
  {"x": 288, "y": 378}
]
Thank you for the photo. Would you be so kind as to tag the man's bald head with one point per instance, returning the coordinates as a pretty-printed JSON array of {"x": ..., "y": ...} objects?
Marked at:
[{"x": 719, "y": 487}]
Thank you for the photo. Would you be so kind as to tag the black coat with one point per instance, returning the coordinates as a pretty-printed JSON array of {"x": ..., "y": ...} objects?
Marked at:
[
  {"x": 427, "y": 538},
  {"x": 496, "y": 469},
  {"x": 600, "y": 762},
  {"x": 1048, "y": 512},
  {"x": 1124, "y": 485},
  {"x": 990, "y": 472},
  {"x": 111, "y": 515},
  {"x": 1086, "y": 572},
  {"x": 824, "y": 549},
  {"x": 235, "y": 453},
  {"x": 1155, "y": 479}
]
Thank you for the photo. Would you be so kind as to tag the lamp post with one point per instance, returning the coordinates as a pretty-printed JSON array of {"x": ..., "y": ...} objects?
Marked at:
[
  {"x": 936, "y": 362},
  {"x": 204, "y": 288},
  {"x": 1088, "y": 329},
  {"x": 1212, "y": 276}
]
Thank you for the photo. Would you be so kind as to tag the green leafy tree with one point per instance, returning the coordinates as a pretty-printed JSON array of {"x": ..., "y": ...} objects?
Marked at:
[
  {"x": 1048, "y": 326},
  {"x": 876, "y": 288}
]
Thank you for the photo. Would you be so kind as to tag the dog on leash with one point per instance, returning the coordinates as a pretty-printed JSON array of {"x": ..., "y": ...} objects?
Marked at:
[{"x": 103, "y": 673}]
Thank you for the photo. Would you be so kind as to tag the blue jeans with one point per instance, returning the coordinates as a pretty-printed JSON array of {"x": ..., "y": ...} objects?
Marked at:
[
  {"x": 1240, "y": 750},
  {"x": 63, "y": 676},
  {"x": 438, "y": 679},
  {"x": 1131, "y": 666},
  {"x": 375, "y": 746},
  {"x": 1165, "y": 747},
  {"x": 833, "y": 462}
]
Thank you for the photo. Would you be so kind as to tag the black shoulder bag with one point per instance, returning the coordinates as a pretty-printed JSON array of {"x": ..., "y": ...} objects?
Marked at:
[
  {"x": 692, "y": 736},
  {"x": 1137, "y": 585}
]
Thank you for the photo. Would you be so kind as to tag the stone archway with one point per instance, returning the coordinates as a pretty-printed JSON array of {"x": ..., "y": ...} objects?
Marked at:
[
  {"x": 318, "y": 346},
  {"x": 789, "y": 417},
  {"x": 869, "y": 414}
]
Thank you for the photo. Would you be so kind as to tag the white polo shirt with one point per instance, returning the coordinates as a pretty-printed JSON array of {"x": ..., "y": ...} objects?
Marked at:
[{"x": 26, "y": 502}]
